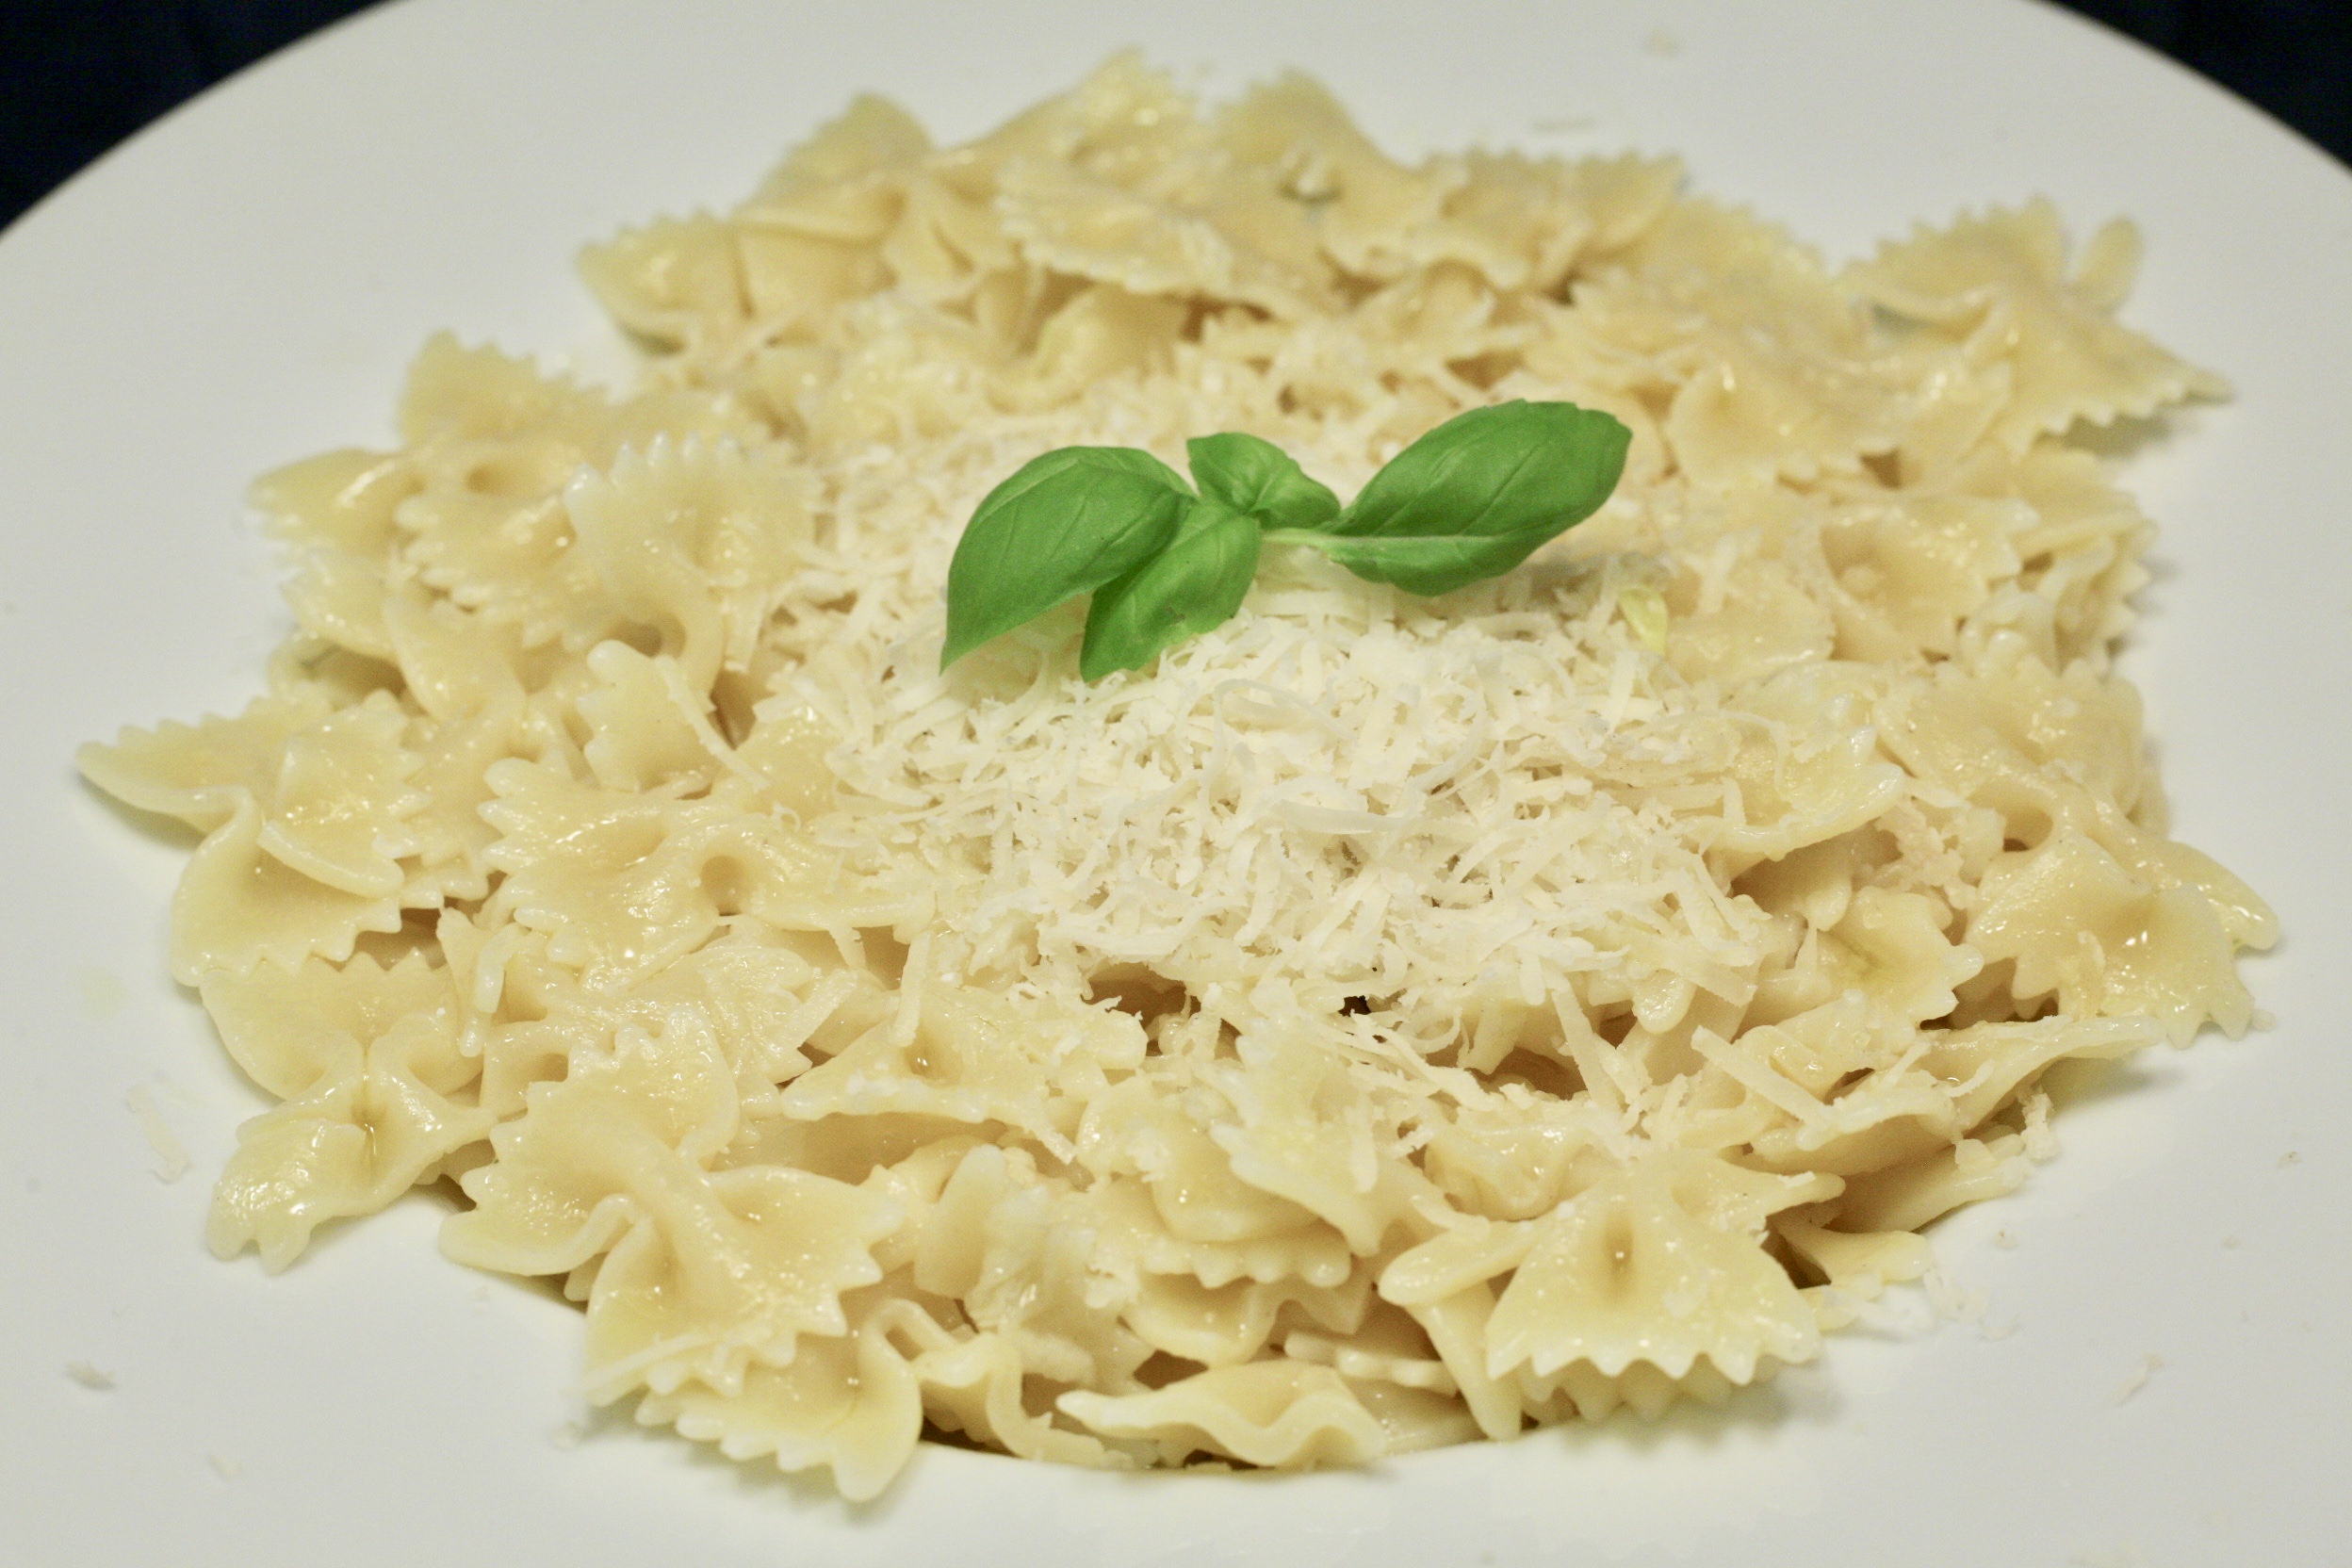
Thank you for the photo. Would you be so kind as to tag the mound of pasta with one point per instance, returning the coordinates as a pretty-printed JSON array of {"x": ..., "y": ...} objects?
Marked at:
[{"x": 1381, "y": 1023}]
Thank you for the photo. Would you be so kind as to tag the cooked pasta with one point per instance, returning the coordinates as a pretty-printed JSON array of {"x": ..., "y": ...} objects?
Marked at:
[{"x": 1381, "y": 1023}]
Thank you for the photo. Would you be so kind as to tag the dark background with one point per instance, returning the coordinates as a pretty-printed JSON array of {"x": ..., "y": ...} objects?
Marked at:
[{"x": 78, "y": 75}]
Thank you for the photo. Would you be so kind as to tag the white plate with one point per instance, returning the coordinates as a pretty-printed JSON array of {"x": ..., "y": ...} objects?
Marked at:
[{"x": 243, "y": 284}]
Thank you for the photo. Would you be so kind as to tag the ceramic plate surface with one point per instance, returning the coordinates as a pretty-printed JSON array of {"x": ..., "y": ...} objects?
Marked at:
[{"x": 243, "y": 285}]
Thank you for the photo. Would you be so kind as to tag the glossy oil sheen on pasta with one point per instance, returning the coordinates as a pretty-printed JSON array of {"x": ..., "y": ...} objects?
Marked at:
[{"x": 1384, "y": 1021}]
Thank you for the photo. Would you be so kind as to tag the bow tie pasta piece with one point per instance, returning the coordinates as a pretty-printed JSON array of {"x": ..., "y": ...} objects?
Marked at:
[
  {"x": 491, "y": 446},
  {"x": 1385, "y": 1345},
  {"x": 202, "y": 773},
  {"x": 1304, "y": 1130},
  {"x": 692, "y": 541},
  {"x": 1810, "y": 772},
  {"x": 303, "y": 804},
  {"x": 1890, "y": 948},
  {"x": 628, "y": 883},
  {"x": 1757, "y": 616},
  {"x": 1897, "y": 1109},
  {"x": 2076, "y": 923},
  {"x": 2148, "y": 926},
  {"x": 667, "y": 1090},
  {"x": 290, "y": 1029},
  {"x": 339, "y": 805},
  {"x": 1768, "y": 368},
  {"x": 1365, "y": 201},
  {"x": 1134, "y": 1238},
  {"x": 838, "y": 184},
  {"x": 1910, "y": 573},
  {"x": 1880, "y": 1109},
  {"x": 1228, "y": 1324},
  {"x": 1985, "y": 1065},
  {"x": 2081, "y": 558},
  {"x": 1853, "y": 1267},
  {"x": 649, "y": 728},
  {"x": 1062, "y": 221},
  {"x": 2000, "y": 283},
  {"x": 326, "y": 794},
  {"x": 977, "y": 1386},
  {"x": 1513, "y": 1156},
  {"x": 959, "y": 1055},
  {"x": 1283, "y": 1415},
  {"x": 368, "y": 1063},
  {"x": 948, "y": 248},
  {"x": 775, "y": 1001},
  {"x": 1580, "y": 1392},
  {"x": 1661, "y": 1265},
  {"x": 1514, "y": 221},
  {"x": 345, "y": 502},
  {"x": 351, "y": 1145},
  {"x": 237, "y": 907},
  {"x": 1016, "y": 1247},
  {"x": 722, "y": 1266},
  {"x": 468, "y": 707},
  {"x": 849, "y": 1403},
  {"x": 701, "y": 1268},
  {"x": 1455, "y": 1325},
  {"x": 1150, "y": 1126},
  {"x": 681, "y": 282},
  {"x": 1124, "y": 123}
]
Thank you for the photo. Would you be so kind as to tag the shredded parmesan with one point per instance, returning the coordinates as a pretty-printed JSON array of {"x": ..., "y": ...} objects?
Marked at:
[
  {"x": 90, "y": 1377},
  {"x": 171, "y": 1161}
]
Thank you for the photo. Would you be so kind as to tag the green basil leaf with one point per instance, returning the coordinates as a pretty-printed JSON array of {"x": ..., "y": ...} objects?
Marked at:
[
  {"x": 1066, "y": 523},
  {"x": 1512, "y": 469},
  {"x": 1259, "y": 479},
  {"x": 1428, "y": 565},
  {"x": 1470, "y": 499},
  {"x": 1192, "y": 586}
]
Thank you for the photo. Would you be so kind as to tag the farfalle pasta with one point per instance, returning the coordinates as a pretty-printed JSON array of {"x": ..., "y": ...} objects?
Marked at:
[{"x": 1382, "y": 1023}]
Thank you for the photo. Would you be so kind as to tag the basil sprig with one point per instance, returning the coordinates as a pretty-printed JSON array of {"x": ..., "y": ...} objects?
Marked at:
[{"x": 1470, "y": 499}]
